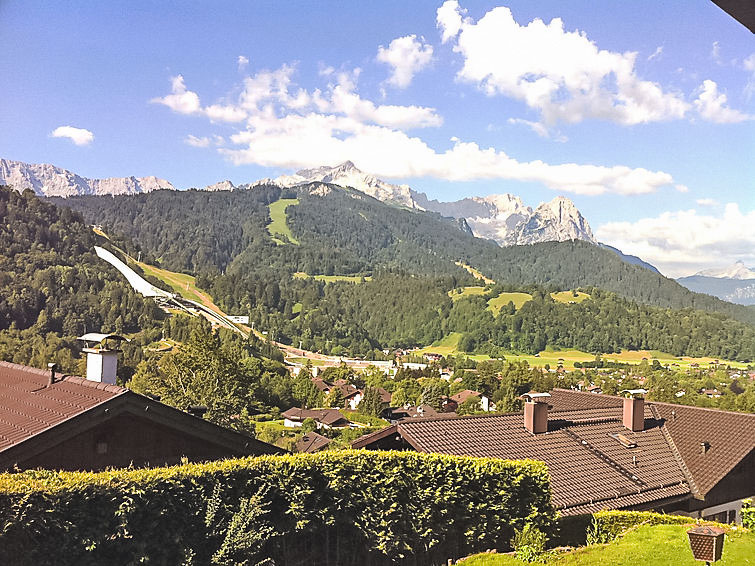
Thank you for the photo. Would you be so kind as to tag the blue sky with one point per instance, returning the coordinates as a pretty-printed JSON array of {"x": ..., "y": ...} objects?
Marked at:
[{"x": 641, "y": 112}]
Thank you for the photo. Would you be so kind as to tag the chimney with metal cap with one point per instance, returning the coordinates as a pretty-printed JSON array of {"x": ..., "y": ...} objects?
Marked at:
[
  {"x": 102, "y": 356},
  {"x": 633, "y": 416},
  {"x": 53, "y": 368},
  {"x": 536, "y": 412}
]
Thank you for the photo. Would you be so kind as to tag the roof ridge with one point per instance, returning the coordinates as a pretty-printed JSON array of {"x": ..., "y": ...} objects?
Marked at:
[
  {"x": 708, "y": 409},
  {"x": 21, "y": 367},
  {"x": 93, "y": 384},
  {"x": 677, "y": 455}
]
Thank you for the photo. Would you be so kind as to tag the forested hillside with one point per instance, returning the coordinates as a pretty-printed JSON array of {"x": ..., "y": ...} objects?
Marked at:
[
  {"x": 54, "y": 288},
  {"x": 410, "y": 261}
]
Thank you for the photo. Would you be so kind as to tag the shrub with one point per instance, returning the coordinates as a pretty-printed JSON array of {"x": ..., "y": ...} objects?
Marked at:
[
  {"x": 335, "y": 508},
  {"x": 529, "y": 543},
  {"x": 748, "y": 514}
]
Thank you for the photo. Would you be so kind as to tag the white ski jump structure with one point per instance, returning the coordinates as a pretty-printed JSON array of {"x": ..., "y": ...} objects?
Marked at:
[
  {"x": 164, "y": 298},
  {"x": 139, "y": 284}
]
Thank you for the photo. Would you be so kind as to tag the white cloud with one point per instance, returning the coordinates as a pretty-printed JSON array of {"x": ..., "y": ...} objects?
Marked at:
[
  {"x": 656, "y": 53},
  {"x": 180, "y": 100},
  {"x": 449, "y": 19},
  {"x": 711, "y": 105},
  {"x": 707, "y": 202},
  {"x": 224, "y": 113},
  {"x": 561, "y": 74},
  {"x": 242, "y": 62},
  {"x": 684, "y": 242},
  {"x": 715, "y": 52},
  {"x": 291, "y": 127},
  {"x": 194, "y": 141},
  {"x": 184, "y": 101},
  {"x": 749, "y": 65},
  {"x": 407, "y": 56},
  {"x": 79, "y": 136},
  {"x": 539, "y": 128},
  {"x": 682, "y": 188}
]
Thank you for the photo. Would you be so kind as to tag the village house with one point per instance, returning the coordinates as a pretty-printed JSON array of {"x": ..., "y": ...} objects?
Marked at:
[
  {"x": 312, "y": 442},
  {"x": 606, "y": 452},
  {"x": 460, "y": 397},
  {"x": 62, "y": 422},
  {"x": 324, "y": 418}
]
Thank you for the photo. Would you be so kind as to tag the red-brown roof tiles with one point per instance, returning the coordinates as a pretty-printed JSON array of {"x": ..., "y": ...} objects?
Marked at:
[{"x": 28, "y": 405}]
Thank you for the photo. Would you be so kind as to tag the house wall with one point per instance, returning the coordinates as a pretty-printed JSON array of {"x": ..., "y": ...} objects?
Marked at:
[
  {"x": 126, "y": 440},
  {"x": 723, "y": 503}
]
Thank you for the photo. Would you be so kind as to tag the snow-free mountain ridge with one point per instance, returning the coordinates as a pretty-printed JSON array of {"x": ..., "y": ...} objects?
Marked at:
[{"x": 50, "y": 181}]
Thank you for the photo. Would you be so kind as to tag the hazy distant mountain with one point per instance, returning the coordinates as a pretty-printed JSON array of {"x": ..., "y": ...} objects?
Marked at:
[
  {"x": 48, "y": 180},
  {"x": 503, "y": 218},
  {"x": 735, "y": 283},
  {"x": 736, "y": 271},
  {"x": 633, "y": 259}
]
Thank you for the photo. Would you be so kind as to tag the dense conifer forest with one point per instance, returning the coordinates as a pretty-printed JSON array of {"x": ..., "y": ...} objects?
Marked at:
[
  {"x": 407, "y": 262},
  {"x": 54, "y": 288}
]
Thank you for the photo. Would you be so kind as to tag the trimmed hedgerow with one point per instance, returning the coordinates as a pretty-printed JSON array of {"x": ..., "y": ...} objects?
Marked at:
[{"x": 349, "y": 507}]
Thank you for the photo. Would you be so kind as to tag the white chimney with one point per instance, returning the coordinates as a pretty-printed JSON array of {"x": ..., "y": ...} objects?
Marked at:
[{"x": 102, "y": 356}]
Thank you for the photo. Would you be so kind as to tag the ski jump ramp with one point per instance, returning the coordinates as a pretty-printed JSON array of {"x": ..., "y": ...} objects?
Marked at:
[{"x": 139, "y": 284}]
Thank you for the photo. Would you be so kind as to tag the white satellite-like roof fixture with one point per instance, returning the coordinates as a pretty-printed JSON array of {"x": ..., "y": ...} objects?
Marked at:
[
  {"x": 102, "y": 356},
  {"x": 634, "y": 392},
  {"x": 535, "y": 396}
]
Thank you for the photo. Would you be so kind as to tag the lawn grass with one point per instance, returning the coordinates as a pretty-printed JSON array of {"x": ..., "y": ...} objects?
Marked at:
[
  {"x": 659, "y": 545},
  {"x": 568, "y": 297},
  {"x": 475, "y": 273},
  {"x": 279, "y": 225},
  {"x": 457, "y": 294},
  {"x": 497, "y": 303}
]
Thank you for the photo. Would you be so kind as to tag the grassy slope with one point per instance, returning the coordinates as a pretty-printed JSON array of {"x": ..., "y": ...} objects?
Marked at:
[
  {"x": 279, "y": 225},
  {"x": 333, "y": 278},
  {"x": 475, "y": 273},
  {"x": 660, "y": 545},
  {"x": 457, "y": 294},
  {"x": 495, "y": 304},
  {"x": 568, "y": 297}
]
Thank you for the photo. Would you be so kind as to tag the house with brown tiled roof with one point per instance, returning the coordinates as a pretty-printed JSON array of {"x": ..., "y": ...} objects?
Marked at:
[
  {"x": 56, "y": 421},
  {"x": 312, "y": 442},
  {"x": 606, "y": 452},
  {"x": 462, "y": 396},
  {"x": 324, "y": 418}
]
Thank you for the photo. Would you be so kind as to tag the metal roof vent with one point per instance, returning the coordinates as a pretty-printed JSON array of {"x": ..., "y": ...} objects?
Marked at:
[{"x": 624, "y": 440}]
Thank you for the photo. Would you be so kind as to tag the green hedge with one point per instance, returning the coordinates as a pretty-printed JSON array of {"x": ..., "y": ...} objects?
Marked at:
[{"x": 349, "y": 507}]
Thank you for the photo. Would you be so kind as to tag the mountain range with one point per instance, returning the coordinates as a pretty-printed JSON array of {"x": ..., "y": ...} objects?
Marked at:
[
  {"x": 735, "y": 283},
  {"x": 502, "y": 218},
  {"x": 50, "y": 181}
]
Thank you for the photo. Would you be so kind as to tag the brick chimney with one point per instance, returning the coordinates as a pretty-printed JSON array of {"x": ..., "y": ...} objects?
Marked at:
[
  {"x": 633, "y": 416},
  {"x": 102, "y": 356},
  {"x": 536, "y": 412}
]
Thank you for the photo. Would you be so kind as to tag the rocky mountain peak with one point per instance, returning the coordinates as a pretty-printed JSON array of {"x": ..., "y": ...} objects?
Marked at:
[{"x": 47, "y": 180}]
